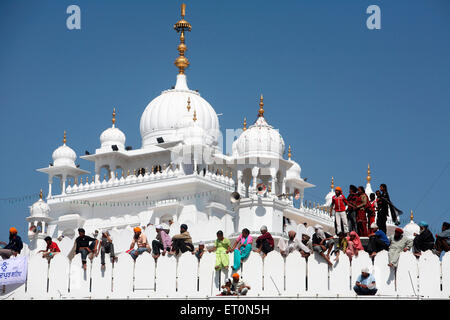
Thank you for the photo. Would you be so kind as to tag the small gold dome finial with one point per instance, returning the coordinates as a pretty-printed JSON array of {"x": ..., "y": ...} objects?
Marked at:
[
  {"x": 412, "y": 215},
  {"x": 289, "y": 152},
  {"x": 181, "y": 26},
  {"x": 245, "y": 124},
  {"x": 195, "y": 116},
  {"x": 261, "y": 105},
  {"x": 114, "y": 117},
  {"x": 189, "y": 104},
  {"x": 332, "y": 183},
  {"x": 368, "y": 174},
  {"x": 65, "y": 138},
  {"x": 40, "y": 194}
]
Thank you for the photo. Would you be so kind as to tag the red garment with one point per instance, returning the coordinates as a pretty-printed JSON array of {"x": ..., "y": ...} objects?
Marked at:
[
  {"x": 53, "y": 247},
  {"x": 268, "y": 237},
  {"x": 371, "y": 215},
  {"x": 361, "y": 218},
  {"x": 339, "y": 203}
]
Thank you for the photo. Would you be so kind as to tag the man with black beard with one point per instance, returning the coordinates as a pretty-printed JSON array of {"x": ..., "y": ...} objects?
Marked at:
[
  {"x": 424, "y": 240},
  {"x": 351, "y": 208},
  {"x": 399, "y": 244}
]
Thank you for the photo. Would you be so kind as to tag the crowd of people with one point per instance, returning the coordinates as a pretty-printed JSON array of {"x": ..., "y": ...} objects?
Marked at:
[
  {"x": 323, "y": 243},
  {"x": 357, "y": 212}
]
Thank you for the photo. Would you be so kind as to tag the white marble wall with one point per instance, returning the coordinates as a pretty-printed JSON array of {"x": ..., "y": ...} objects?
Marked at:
[{"x": 274, "y": 276}]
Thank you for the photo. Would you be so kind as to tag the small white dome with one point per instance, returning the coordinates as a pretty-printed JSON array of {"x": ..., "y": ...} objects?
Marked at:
[
  {"x": 112, "y": 136},
  {"x": 410, "y": 229},
  {"x": 294, "y": 171},
  {"x": 162, "y": 116},
  {"x": 64, "y": 156},
  {"x": 260, "y": 139},
  {"x": 39, "y": 209},
  {"x": 329, "y": 198}
]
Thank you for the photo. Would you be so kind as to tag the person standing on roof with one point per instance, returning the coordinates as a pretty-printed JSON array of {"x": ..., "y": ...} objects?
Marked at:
[{"x": 338, "y": 203}]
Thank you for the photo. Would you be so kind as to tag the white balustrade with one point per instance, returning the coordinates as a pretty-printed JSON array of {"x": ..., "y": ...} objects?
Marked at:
[{"x": 186, "y": 277}]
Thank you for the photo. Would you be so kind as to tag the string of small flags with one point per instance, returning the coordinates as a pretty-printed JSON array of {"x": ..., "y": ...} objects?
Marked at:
[{"x": 13, "y": 200}]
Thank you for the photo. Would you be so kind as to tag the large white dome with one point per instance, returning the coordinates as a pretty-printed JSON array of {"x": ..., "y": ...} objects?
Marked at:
[{"x": 163, "y": 115}]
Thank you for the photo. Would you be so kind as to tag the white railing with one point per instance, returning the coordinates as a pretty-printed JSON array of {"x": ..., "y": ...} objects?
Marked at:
[
  {"x": 147, "y": 177},
  {"x": 274, "y": 276}
]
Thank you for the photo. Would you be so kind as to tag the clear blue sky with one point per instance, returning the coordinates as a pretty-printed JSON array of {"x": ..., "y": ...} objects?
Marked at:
[{"x": 343, "y": 96}]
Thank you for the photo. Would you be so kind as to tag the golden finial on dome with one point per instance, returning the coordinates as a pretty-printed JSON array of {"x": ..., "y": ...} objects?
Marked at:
[
  {"x": 189, "y": 104},
  {"x": 87, "y": 179},
  {"x": 412, "y": 215},
  {"x": 261, "y": 105},
  {"x": 181, "y": 26},
  {"x": 245, "y": 124},
  {"x": 40, "y": 194},
  {"x": 289, "y": 152},
  {"x": 195, "y": 116},
  {"x": 368, "y": 174},
  {"x": 332, "y": 183},
  {"x": 114, "y": 117},
  {"x": 65, "y": 138}
]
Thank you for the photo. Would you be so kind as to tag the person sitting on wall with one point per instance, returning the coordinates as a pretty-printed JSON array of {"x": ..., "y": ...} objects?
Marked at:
[
  {"x": 399, "y": 244},
  {"x": 424, "y": 240},
  {"x": 182, "y": 241},
  {"x": 322, "y": 241},
  {"x": 264, "y": 242},
  {"x": 226, "y": 288},
  {"x": 222, "y": 248},
  {"x": 14, "y": 246},
  {"x": 51, "y": 250},
  {"x": 239, "y": 287},
  {"x": 293, "y": 244},
  {"x": 377, "y": 241},
  {"x": 443, "y": 240},
  {"x": 200, "y": 250},
  {"x": 162, "y": 242},
  {"x": 341, "y": 245},
  {"x": 354, "y": 245},
  {"x": 139, "y": 239},
  {"x": 365, "y": 283},
  {"x": 242, "y": 248},
  {"x": 106, "y": 245},
  {"x": 85, "y": 245}
]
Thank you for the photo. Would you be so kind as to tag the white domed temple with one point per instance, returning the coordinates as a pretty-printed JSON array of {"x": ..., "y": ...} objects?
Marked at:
[{"x": 181, "y": 176}]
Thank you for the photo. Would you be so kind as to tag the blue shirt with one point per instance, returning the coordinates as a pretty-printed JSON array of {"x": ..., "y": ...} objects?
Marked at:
[
  {"x": 382, "y": 236},
  {"x": 366, "y": 281}
]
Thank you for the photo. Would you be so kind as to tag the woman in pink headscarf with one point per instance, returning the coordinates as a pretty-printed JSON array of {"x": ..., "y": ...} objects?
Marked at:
[{"x": 354, "y": 245}]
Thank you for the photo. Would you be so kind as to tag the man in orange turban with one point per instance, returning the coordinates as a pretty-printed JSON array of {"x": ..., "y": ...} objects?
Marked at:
[
  {"x": 238, "y": 288},
  {"x": 14, "y": 246},
  {"x": 140, "y": 240},
  {"x": 338, "y": 203}
]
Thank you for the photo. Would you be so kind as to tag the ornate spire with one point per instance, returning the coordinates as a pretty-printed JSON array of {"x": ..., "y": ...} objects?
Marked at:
[
  {"x": 261, "y": 105},
  {"x": 368, "y": 174},
  {"x": 40, "y": 194},
  {"x": 412, "y": 215},
  {"x": 289, "y": 152},
  {"x": 64, "y": 139},
  {"x": 114, "y": 117},
  {"x": 195, "y": 116},
  {"x": 332, "y": 183},
  {"x": 188, "y": 104},
  {"x": 245, "y": 124},
  {"x": 182, "y": 62}
]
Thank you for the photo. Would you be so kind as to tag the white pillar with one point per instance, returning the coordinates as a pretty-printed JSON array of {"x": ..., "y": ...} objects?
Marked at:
[
  {"x": 239, "y": 181},
  {"x": 255, "y": 172},
  {"x": 63, "y": 187},
  {"x": 273, "y": 175},
  {"x": 50, "y": 181}
]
